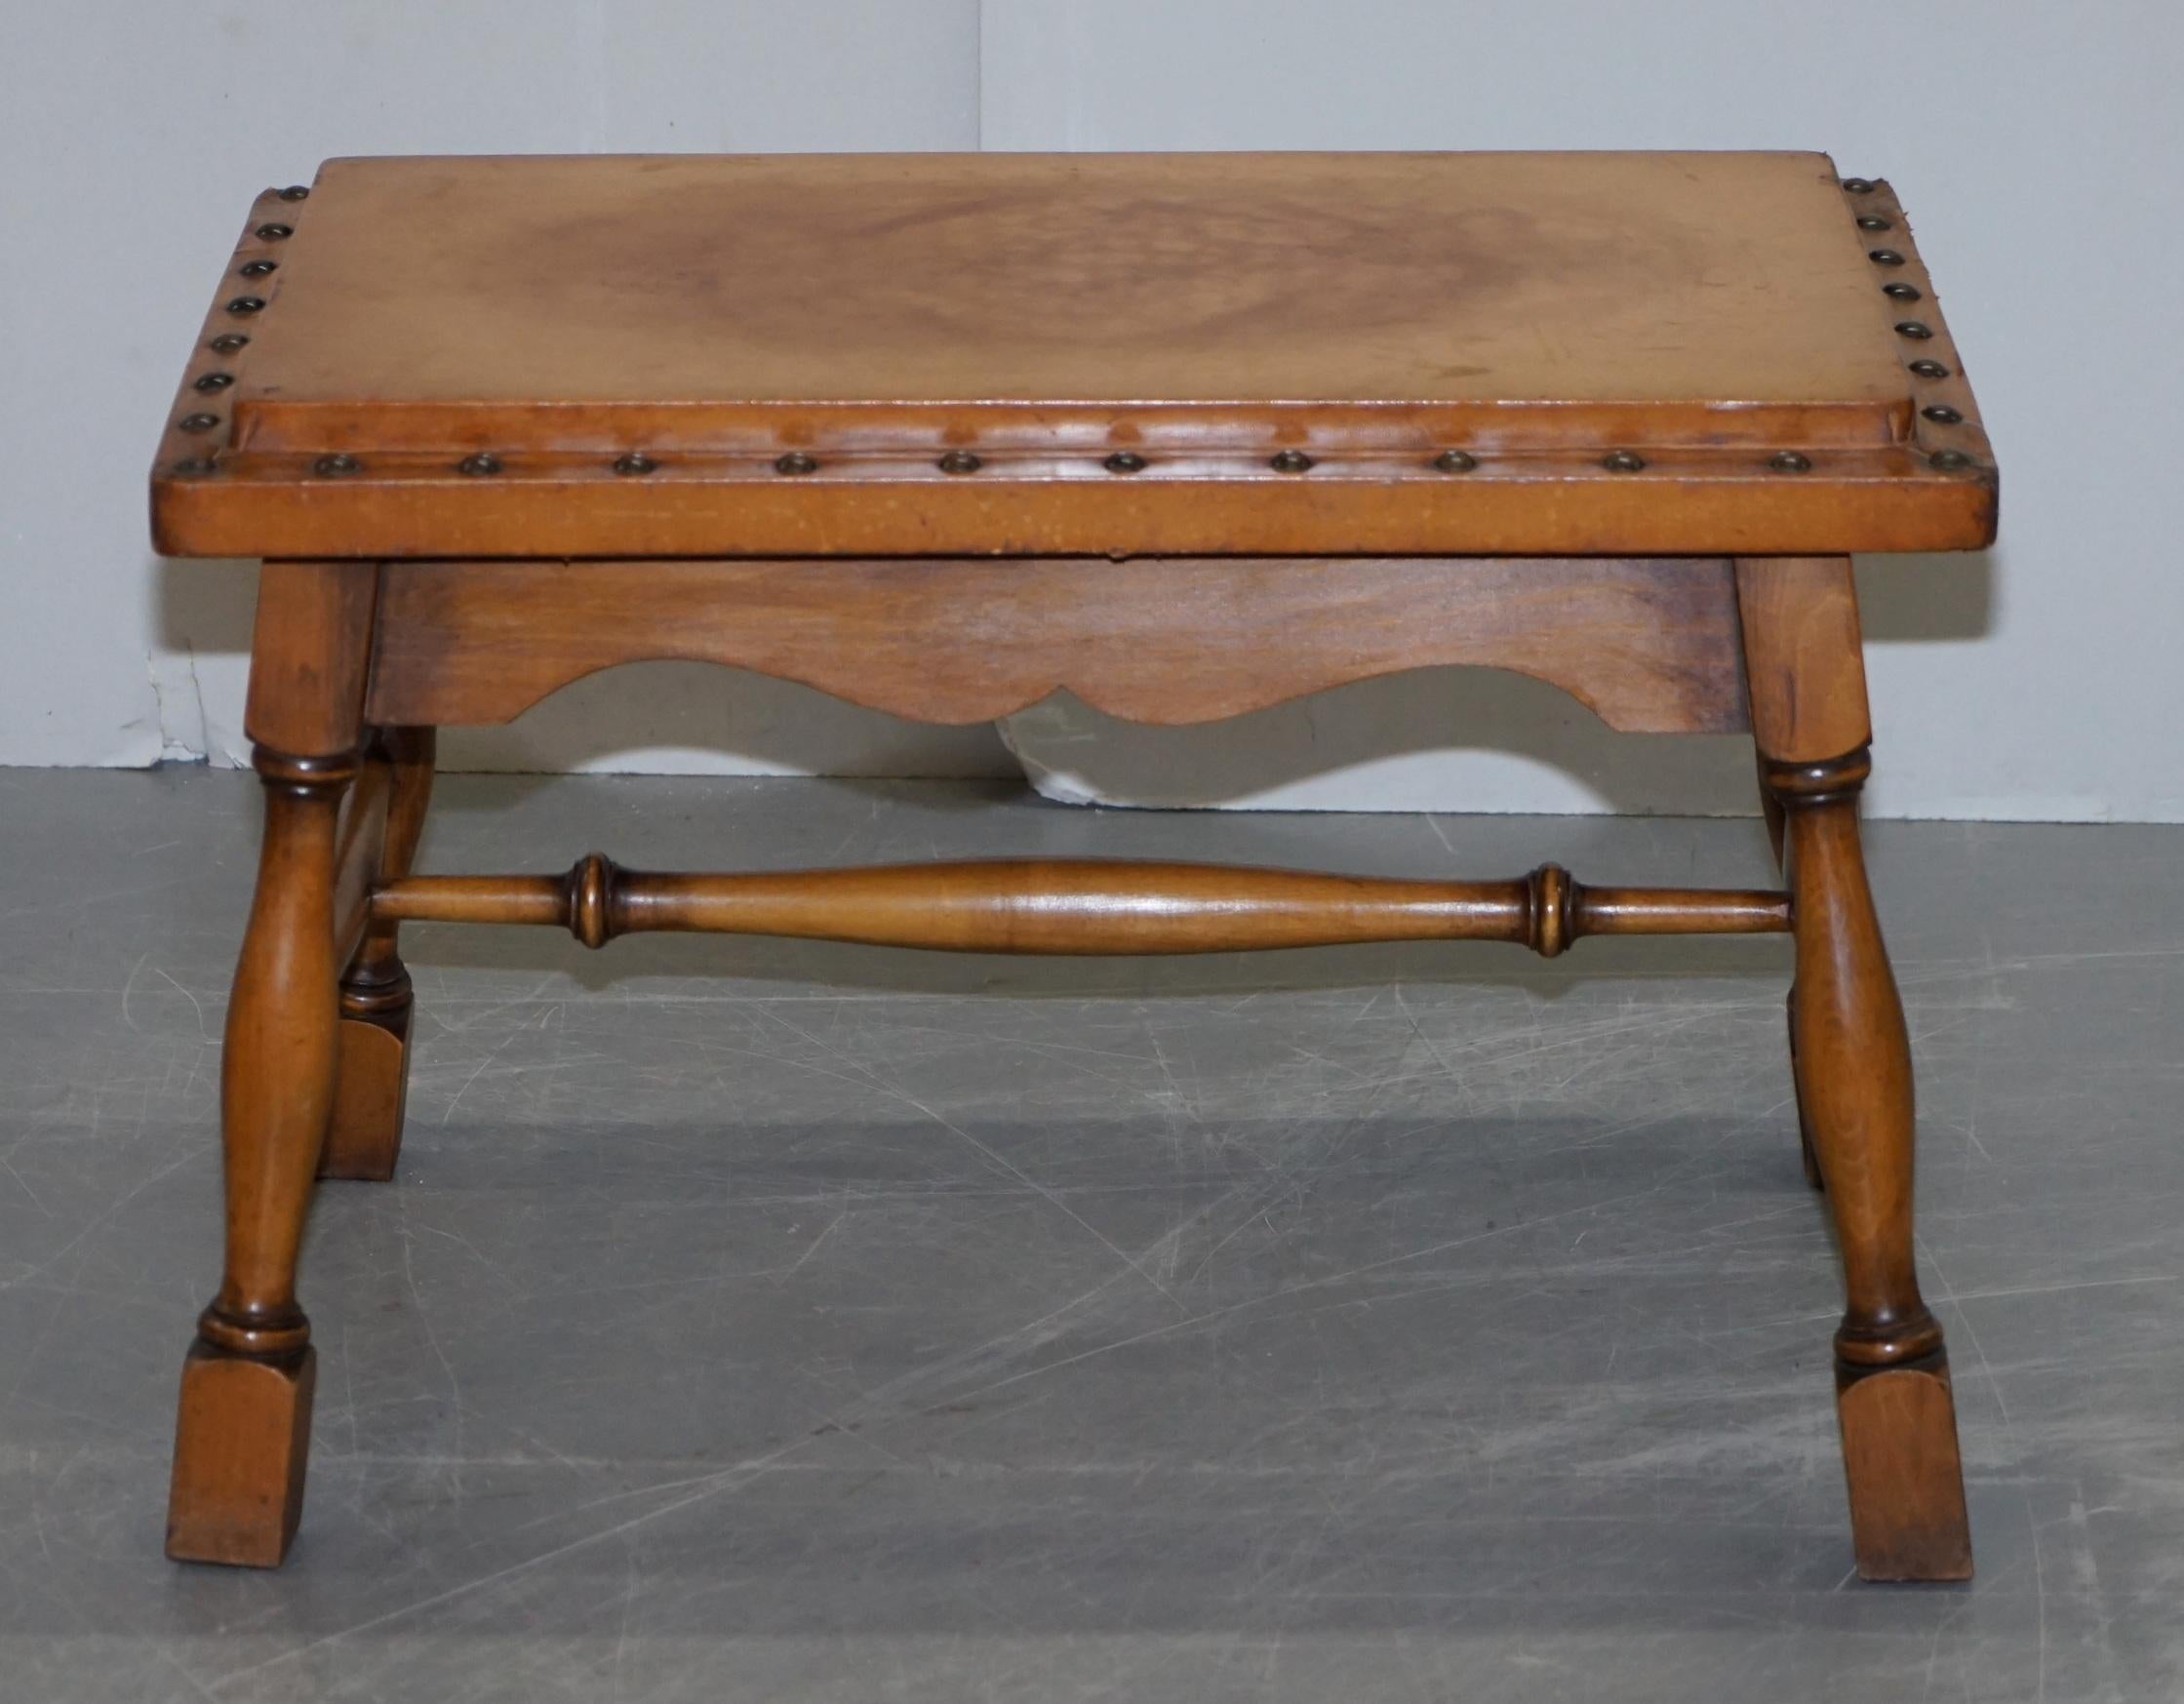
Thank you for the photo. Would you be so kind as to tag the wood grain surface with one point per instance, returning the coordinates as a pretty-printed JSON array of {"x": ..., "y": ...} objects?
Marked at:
[
  {"x": 1804, "y": 657},
  {"x": 1023, "y": 354},
  {"x": 1650, "y": 646},
  {"x": 1716, "y": 295},
  {"x": 1079, "y": 906}
]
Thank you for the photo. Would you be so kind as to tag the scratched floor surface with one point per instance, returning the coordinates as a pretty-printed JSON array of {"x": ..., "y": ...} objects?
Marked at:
[{"x": 756, "y": 1321}]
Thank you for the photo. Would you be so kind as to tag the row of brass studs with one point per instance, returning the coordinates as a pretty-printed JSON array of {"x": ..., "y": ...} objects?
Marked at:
[
  {"x": 1895, "y": 289},
  {"x": 484, "y": 463},
  {"x": 228, "y": 342},
  {"x": 1942, "y": 413},
  {"x": 1918, "y": 331}
]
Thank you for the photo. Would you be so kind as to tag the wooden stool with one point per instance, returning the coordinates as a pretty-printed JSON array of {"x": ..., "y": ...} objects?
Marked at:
[{"x": 1184, "y": 434}]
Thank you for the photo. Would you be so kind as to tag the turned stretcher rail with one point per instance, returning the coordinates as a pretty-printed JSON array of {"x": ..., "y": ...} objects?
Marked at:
[{"x": 1078, "y": 906}]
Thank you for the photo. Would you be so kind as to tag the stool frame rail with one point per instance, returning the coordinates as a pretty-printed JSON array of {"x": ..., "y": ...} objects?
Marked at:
[
  {"x": 355, "y": 662},
  {"x": 1078, "y": 906}
]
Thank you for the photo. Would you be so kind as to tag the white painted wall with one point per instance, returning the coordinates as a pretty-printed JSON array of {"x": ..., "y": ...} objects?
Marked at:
[{"x": 2036, "y": 145}]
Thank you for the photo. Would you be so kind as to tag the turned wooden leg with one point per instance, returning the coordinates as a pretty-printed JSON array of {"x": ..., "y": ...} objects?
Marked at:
[
  {"x": 371, "y": 1077},
  {"x": 1776, "y": 828},
  {"x": 243, "y": 1426},
  {"x": 1898, "y": 1418},
  {"x": 1806, "y": 1151},
  {"x": 1852, "y": 1061},
  {"x": 245, "y": 1403}
]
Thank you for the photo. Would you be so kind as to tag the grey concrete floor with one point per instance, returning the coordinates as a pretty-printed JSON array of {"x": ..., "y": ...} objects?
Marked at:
[{"x": 755, "y": 1319}]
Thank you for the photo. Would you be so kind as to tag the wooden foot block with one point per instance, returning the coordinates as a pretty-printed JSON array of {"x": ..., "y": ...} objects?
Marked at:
[
  {"x": 241, "y": 1441},
  {"x": 370, "y": 1089},
  {"x": 1907, "y": 1489}
]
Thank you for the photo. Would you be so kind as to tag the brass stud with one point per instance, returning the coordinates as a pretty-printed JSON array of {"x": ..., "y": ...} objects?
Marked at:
[
  {"x": 192, "y": 467},
  {"x": 479, "y": 463},
  {"x": 295, "y": 193},
  {"x": 1950, "y": 460},
  {"x": 1942, "y": 414},
  {"x": 1290, "y": 461},
  {"x": 1858, "y": 185},
  {"x": 959, "y": 462},
  {"x": 1929, "y": 370},
  {"x": 1125, "y": 461},
  {"x": 1790, "y": 462},
  {"x": 1899, "y": 291},
  {"x": 333, "y": 466},
  {"x": 246, "y": 304},
  {"x": 636, "y": 461},
  {"x": 1456, "y": 461},
  {"x": 1623, "y": 462},
  {"x": 795, "y": 461},
  {"x": 258, "y": 269},
  {"x": 215, "y": 381},
  {"x": 227, "y": 342},
  {"x": 1913, "y": 329},
  {"x": 274, "y": 234},
  {"x": 198, "y": 422},
  {"x": 1873, "y": 221},
  {"x": 1884, "y": 256}
]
